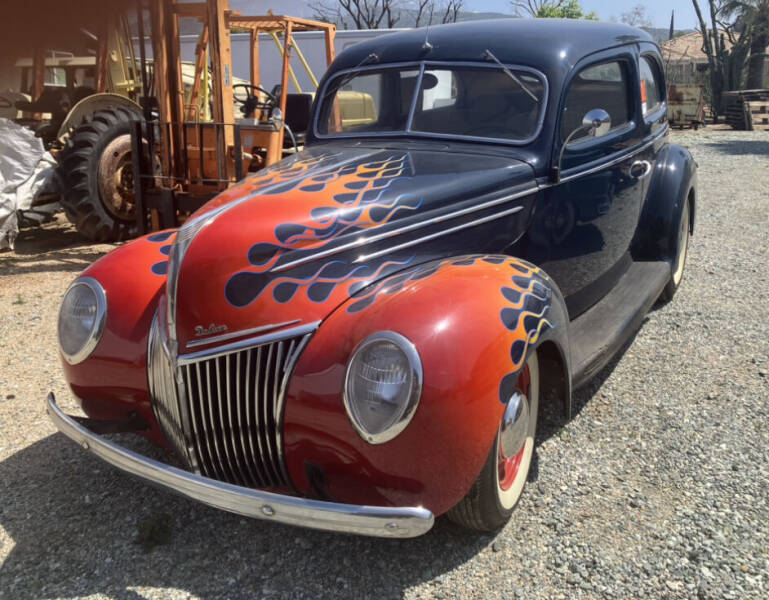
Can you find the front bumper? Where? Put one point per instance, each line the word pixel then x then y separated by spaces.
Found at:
pixel 380 521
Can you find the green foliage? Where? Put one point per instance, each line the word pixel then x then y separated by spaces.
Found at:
pixel 567 10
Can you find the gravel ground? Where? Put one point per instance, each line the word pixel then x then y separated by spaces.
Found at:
pixel 656 488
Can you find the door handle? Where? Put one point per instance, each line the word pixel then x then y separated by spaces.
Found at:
pixel 640 169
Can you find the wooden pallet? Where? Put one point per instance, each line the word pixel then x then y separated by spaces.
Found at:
pixel 747 109
pixel 757 115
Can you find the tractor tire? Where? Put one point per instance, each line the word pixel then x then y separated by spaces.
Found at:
pixel 96 172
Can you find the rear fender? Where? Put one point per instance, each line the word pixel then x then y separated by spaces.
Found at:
pixel 674 179
pixel 473 320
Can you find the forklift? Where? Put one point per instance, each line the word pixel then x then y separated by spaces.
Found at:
pixel 144 153
pixel 180 157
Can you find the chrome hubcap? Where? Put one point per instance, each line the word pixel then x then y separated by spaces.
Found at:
pixel 515 425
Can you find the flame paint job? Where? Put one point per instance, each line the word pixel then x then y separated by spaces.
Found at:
pixel 316 202
pixel 465 365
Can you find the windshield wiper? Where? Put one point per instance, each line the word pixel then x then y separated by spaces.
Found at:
pixel 370 59
pixel 512 75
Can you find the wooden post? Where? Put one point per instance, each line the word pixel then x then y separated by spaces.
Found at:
pixel 336 115
pixel 221 67
pixel 102 56
pixel 200 64
pixel 287 41
pixel 38 73
pixel 254 56
pixel 158 17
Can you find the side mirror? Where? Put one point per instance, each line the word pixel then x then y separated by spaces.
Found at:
pixel 595 123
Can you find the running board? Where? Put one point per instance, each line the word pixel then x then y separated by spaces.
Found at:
pixel 598 333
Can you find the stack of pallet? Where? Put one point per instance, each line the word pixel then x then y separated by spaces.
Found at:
pixel 747 109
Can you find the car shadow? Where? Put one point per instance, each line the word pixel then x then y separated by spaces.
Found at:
pixel 552 420
pixel 80 527
pixel 54 247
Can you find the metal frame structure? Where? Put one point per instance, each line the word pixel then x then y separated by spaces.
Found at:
pixel 181 158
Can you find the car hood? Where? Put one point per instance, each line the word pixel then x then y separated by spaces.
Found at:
pixel 291 243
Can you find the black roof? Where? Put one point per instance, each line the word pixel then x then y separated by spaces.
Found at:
pixel 546 44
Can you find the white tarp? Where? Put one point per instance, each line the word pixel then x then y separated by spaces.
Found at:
pixel 26 170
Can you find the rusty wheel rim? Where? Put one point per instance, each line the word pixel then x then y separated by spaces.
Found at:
pixel 116 179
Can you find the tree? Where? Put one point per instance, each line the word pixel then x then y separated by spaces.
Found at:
pixel 752 17
pixel 376 14
pixel 426 12
pixel 636 17
pixel 363 14
pixel 554 9
pixel 725 66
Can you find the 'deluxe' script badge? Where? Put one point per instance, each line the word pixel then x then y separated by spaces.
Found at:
pixel 200 330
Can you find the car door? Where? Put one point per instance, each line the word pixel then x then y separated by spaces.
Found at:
pixel 587 220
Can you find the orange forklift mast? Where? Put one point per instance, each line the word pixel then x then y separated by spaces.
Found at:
pixel 180 158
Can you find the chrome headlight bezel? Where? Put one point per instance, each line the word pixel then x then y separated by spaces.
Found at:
pixel 100 319
pixel 412 402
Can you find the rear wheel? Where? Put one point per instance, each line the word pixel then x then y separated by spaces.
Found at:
pixel 490 501
pixel 98 177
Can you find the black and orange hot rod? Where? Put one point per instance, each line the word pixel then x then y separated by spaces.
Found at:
pixel 359 337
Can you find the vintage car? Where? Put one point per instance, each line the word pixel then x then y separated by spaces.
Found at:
pixel 360 337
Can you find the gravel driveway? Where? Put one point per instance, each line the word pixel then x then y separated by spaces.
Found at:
pixel 656 488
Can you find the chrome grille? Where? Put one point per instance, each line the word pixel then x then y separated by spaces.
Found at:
pixel 232 401
pixel 163 393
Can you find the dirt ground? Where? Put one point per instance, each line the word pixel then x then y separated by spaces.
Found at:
pixel 656 487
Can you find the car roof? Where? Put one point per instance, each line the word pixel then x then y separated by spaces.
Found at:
pixel 545 44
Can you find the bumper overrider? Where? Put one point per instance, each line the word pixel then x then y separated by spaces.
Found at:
pixel 380 521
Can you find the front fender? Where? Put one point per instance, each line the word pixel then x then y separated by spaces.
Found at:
pixel 112 381
pixel 473 320
pixel 673 180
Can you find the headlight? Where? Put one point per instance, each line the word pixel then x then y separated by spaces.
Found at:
pixel 81 319
pixel 382 386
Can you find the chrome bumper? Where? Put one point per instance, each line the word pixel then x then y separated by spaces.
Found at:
pixel 399 522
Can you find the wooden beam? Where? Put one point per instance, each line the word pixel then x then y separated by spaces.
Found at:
pixel 221 64
pixel 221 67
pixel 38 73
pixel 102 57
pixel 160 68
pixel 200 64
pixel 287 41
pixel 191 9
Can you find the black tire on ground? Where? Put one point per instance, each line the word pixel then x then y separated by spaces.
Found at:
pixel 677 268
pixel 97 187
pixel 488 505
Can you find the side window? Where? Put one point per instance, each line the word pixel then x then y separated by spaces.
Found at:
pixel 599 86
pixel 651 89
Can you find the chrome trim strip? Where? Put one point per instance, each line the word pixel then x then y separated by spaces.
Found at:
pixel 194 357
pixel 294 352
pixel 380 521
pixel 242 332
pixel 424 223
pixel 437 234
pixel 621 158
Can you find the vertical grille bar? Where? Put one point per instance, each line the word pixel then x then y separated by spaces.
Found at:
pixel 226 415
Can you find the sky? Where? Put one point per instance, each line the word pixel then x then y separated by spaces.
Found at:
pixel 658 10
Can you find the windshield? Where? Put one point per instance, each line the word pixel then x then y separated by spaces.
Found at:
pixel 436 100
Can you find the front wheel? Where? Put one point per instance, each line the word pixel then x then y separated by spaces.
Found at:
pixel 490 501
pixel 677 268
